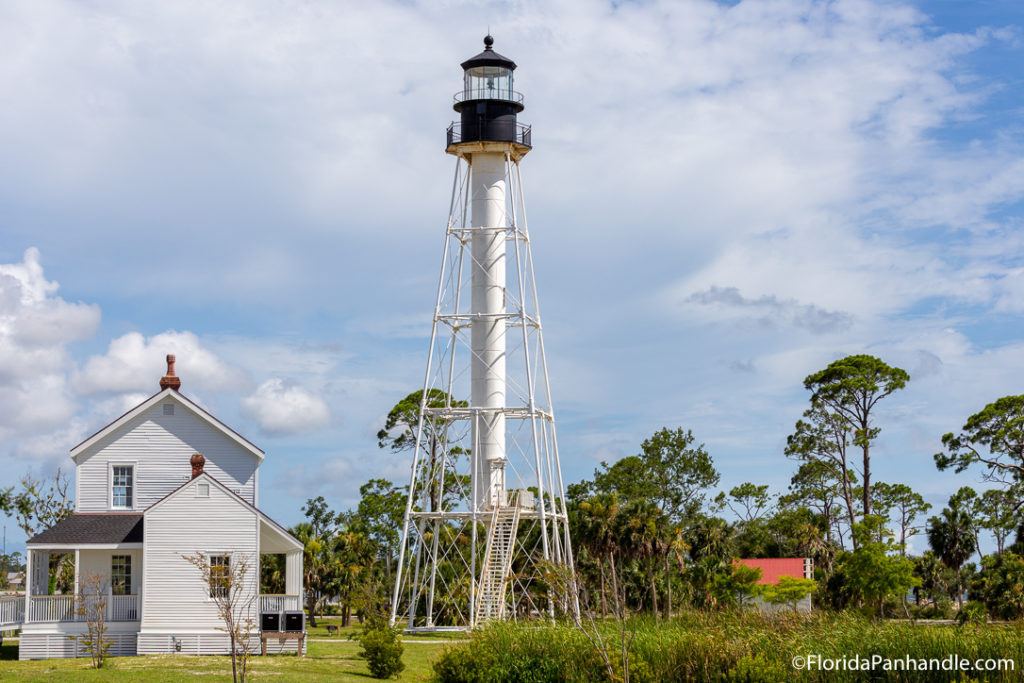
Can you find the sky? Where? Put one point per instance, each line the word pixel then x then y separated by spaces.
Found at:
pixel 723 198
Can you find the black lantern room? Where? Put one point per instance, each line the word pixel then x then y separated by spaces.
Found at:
pixel 488 103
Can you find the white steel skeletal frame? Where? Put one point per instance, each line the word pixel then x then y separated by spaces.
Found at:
pixel 436 560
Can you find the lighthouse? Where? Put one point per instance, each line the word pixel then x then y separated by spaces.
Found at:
pixel 486 507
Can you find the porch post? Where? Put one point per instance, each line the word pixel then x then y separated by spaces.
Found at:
pixel 28 584
pixel 293 574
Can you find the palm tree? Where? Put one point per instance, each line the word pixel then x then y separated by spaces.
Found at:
pixel 597 534
pixel 643 532
pixel 951 536
pixel 312 565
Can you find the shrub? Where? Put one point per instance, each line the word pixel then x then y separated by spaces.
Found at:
pixel 382 649
pixel 973 613
pixel 758 669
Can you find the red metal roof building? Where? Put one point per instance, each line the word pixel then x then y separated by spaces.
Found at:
pixel 773 568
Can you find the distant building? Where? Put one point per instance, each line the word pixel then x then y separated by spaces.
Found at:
pixel 15 581
pixel 774 568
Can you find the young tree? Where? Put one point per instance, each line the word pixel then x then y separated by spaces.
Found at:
pixel 91 607
pixel 737 586
pixel 998 510
pixel 225 578
pixel 873 570
pixel 381 507
pixel 790 590
pixel 899 504
pixel 851 388
pixel 993 438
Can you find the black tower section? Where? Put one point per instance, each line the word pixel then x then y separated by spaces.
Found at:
pixel 488 104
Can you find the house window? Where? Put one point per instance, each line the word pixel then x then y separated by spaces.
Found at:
pixel 122 486
pixel 168 409
pixel 121 575
pixel 202 490
pixel 220 575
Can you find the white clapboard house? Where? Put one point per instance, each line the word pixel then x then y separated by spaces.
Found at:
pixel 163 481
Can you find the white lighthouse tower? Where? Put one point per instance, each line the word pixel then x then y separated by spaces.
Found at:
pixel 486 520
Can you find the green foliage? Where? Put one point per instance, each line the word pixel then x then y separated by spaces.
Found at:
pixel 842 400
pixel 758 669
pixel 899 504
pixel 993 438
pixel 402 423
pixel 382 648
pixel 973 613
pixel 669 472
pixel 736 586
pixel 871 570
pixel 951 534
pixel 790 590
pixel 747 501
pixel 1002 586
pixel 725 647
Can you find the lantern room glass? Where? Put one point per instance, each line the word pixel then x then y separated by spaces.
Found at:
pixel 488 83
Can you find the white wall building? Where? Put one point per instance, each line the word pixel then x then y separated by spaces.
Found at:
pixel 145 499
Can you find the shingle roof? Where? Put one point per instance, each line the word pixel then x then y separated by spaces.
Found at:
pixel 88 528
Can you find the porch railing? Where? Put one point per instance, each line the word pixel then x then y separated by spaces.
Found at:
pixel 12 610
pixel 49 608
pixel 279 603
pixel 123 608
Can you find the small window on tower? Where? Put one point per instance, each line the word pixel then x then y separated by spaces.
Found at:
pixel 168 409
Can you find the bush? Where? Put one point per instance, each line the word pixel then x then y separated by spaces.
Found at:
pixel 382 649
pixel 758 669
pixel 973 613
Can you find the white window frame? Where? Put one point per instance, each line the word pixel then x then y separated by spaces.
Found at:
pixel 110 484
pixel 130 577
pixel 209 564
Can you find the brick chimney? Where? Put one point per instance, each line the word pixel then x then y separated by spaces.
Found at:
pixel 197 461
pixel 170 379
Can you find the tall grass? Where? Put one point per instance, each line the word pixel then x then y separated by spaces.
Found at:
pixel 722 647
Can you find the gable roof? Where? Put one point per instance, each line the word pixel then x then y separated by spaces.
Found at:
pixel 92 528
pixel 152 401
pixel 259 513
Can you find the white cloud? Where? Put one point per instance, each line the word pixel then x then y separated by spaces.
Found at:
pixel 135 363
pixel 283 408
pixel 36 326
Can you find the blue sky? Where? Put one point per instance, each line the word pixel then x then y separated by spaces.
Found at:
pixel 723 198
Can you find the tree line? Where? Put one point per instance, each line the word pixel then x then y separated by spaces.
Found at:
pixel 653 531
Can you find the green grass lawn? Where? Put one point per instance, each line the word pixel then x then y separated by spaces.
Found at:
pixel 326 661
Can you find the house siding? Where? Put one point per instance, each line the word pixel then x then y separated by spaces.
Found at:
pixel 176 600
pixel 159 446
pixel 56 644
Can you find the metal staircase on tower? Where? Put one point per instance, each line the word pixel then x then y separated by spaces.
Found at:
pixel 496 571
